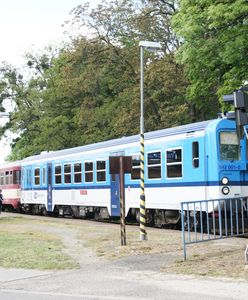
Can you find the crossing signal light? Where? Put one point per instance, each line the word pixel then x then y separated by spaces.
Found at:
pixel 240 101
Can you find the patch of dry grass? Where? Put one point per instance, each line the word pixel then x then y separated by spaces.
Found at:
pixel 107 241
pixel 23 247
pixel 213 259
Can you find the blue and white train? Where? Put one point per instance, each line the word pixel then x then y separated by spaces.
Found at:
pixel 199 161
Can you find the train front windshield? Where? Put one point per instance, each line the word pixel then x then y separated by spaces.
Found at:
pixel 229 146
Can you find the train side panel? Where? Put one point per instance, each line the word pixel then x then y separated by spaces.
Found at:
pixel 10 173
pixel 182 164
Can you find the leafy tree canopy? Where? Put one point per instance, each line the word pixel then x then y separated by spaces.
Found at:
pixel 214 46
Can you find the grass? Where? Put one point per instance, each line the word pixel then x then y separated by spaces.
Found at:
pixel 32 251
pixel 20 248
pixel 107 242
pixel 212 260
pixel 46 243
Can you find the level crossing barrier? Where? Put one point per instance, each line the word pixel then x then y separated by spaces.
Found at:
pixel 213 219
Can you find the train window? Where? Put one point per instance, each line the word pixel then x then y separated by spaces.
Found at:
pixel 88 169
pixel 67 173
pixel 195 154
pixel 7 177
pixel 174 163
pixel 58 174
pixel 1 178
pixel 229 146
pixel 16 177
pixel 77 172
pixel 37 176
pixel 154 165
pixel 10 177
pixel 135 167
pixel 101 170
pixel 44 175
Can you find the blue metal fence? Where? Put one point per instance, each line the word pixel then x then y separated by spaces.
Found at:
pixel 213 219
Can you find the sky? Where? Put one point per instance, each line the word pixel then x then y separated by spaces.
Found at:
pixel 30 25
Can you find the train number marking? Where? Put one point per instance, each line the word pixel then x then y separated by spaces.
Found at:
pixel 229 167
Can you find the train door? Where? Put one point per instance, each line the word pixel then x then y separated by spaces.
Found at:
pixel 115 190
pixel 28 184
pixel 49 188
pixel 115 195
pixel 211 165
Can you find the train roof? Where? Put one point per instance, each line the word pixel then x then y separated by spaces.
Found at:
pixel 121 141
pixel 10 164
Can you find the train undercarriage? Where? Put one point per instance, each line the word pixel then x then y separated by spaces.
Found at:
pixel 154 217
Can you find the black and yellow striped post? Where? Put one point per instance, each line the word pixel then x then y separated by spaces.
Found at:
pixel 143 234
pixel 150 46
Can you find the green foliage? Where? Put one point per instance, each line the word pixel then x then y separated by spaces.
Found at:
pixel 214 47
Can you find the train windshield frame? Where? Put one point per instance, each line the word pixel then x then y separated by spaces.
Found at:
pixel 229 146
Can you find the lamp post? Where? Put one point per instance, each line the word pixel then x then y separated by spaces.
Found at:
pixel 150 46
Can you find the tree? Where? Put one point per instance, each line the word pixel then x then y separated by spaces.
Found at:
pixel 24 100
pixel 126 22
pixel 214 48
pixel 120 25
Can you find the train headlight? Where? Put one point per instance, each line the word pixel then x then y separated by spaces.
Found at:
pixel 224 181
pixel 225 190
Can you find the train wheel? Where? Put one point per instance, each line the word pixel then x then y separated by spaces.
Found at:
pixel 56 211
pixel 44 211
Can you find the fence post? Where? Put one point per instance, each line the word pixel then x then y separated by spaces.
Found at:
pixel 183 233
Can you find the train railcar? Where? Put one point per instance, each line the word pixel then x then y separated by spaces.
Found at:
pixel 10 183
pixel 199 161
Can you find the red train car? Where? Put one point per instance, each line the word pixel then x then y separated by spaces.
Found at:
pixel 10 184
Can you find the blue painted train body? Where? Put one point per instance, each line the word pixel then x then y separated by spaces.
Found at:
pixel 198 161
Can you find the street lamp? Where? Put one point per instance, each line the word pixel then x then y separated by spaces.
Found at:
pixel 150 46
